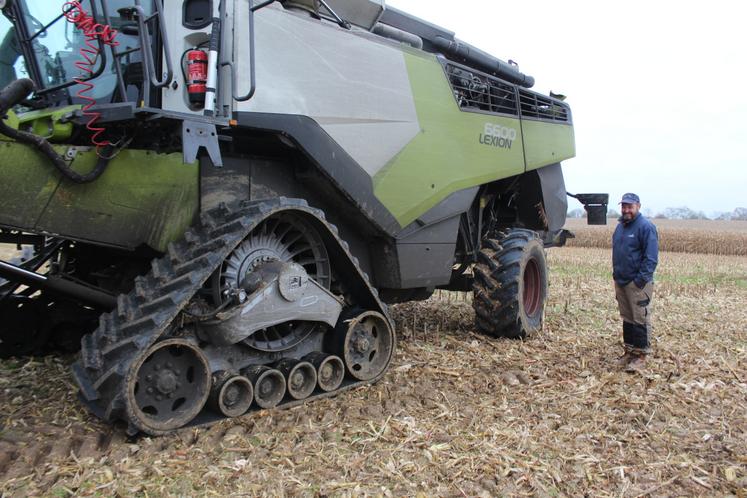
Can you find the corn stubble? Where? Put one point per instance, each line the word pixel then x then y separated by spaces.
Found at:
pixel 458 414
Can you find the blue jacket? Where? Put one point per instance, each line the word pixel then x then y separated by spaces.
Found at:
pixel 635 251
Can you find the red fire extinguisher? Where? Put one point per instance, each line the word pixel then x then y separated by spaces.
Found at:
pixel 197 62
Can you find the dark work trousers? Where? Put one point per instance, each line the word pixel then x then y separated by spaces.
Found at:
pixel 635 310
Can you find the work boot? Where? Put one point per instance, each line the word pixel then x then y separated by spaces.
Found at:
pixel 637 363
pixel 622 361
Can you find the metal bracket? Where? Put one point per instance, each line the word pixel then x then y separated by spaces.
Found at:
pixel 289 296
pixel 73 150
pixel 196 135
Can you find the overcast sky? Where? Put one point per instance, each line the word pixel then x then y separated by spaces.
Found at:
pixel 658 89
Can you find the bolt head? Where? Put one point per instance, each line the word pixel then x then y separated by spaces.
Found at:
pixel 297 379
pixel 361 344
pixel 326 372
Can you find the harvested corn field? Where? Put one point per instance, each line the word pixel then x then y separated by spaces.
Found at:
pixel 691 236
pixel 458 414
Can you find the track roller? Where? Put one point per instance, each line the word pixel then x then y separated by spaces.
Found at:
pixel 231 395
pixel 300 377
pixel 269 385
pixel 168 386
pixel 330 370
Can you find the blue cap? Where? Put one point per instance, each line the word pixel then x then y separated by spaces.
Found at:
pixel 630 198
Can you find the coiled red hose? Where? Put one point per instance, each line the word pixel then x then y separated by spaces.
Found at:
pixel 94 33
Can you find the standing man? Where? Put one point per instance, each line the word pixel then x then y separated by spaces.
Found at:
pixel 635 253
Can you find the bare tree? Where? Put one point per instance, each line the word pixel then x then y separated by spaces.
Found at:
pixel 576 213
pixel 739 213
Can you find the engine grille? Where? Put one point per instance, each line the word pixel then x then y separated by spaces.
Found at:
pixel 475 91
pixel 534 105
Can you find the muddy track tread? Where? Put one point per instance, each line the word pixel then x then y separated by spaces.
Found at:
pixel 143 315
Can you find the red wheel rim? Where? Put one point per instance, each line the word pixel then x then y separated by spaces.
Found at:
pixel 532 288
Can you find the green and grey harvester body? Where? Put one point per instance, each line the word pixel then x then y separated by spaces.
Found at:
pixel 222 230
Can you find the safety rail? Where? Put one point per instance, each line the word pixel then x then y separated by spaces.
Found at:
pixel 137 13
pixel 252 74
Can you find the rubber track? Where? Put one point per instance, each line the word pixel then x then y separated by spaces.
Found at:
pixel 144 315
pixel 496 283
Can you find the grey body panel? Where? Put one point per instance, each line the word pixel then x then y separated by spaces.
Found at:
pixel 361 96
pixel 454 205
pixel 553 195
pixel 334 161
pixel 424 250
pixel 428 264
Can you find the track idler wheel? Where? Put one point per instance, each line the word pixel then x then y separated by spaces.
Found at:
pixel 367 344
pixel 167 386
pixel 269 385
pixel 300 377
pixel 330 370
pixel 231 395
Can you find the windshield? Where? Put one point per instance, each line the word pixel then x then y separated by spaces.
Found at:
pixel 55 45
pixel 12 65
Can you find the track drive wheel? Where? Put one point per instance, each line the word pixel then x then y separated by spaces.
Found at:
pixel 510 284
pixel 168 386
pixel 366 344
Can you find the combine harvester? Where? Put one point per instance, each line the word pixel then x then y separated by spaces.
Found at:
pixel 221 196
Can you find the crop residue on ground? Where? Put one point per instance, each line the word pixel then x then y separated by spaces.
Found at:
pixel 458 414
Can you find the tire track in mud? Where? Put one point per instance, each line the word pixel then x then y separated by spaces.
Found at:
pixel 48 455
pixel 35 450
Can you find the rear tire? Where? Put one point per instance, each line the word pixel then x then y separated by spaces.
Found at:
pixel 510 284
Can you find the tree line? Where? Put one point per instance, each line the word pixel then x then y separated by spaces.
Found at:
pixel 673 213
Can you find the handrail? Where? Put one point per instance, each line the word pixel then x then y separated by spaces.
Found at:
pixel 145 44
pixel 115 55
pixel 252 73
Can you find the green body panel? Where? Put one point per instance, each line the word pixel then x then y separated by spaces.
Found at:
pixel 47 123
pixel 12 121
pixel 547 143
pixel 142 197
pixel 27 181
pixel 447 155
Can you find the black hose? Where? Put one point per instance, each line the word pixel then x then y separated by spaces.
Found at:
pixel 15 92
pixel 12 94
